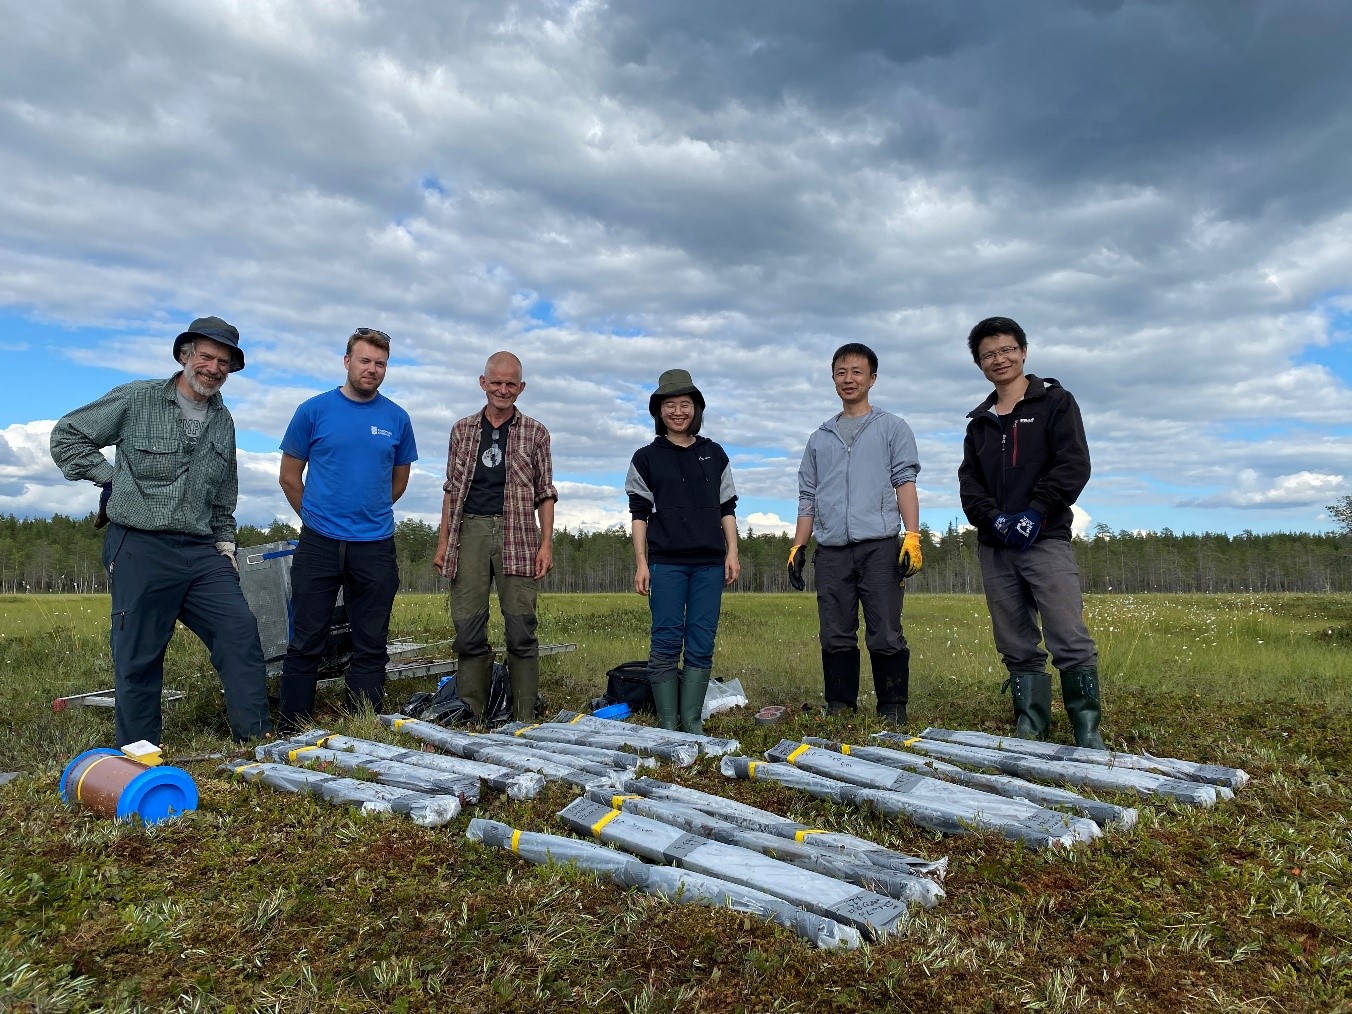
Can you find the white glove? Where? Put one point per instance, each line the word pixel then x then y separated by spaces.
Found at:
pixel 227 550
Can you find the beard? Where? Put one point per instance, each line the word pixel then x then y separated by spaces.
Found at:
pixel 203 386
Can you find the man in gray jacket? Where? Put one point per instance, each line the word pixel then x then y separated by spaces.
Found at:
pixel 856 495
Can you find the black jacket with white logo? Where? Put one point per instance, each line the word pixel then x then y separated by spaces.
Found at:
pixel 683 493
pixel 1034 457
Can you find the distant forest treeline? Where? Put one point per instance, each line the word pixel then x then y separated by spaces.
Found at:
pixel 62 554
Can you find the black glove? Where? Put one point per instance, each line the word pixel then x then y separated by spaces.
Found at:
pixel 797 560
pixel 1022 530
pixel 102 519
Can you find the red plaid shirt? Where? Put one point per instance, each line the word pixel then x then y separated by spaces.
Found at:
pixel 529 481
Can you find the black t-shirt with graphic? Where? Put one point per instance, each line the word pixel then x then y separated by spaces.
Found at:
pixel 490 470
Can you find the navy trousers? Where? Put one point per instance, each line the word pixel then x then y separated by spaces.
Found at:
pixel 368 574
pixel 156 579
pixel 685 602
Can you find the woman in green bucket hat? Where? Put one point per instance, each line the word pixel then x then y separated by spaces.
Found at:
pixel 683 504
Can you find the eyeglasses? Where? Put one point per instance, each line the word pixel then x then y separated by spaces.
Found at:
pixel 993 354
pixel 370 332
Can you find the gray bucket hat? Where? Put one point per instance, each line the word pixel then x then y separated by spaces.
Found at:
pixel 671 384
pixel 218 331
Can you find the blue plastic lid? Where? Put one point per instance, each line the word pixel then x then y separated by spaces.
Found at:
pixel 157 794
pixel 618 712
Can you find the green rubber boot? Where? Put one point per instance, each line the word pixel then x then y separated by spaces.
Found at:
pixel 694 685
pixel 524 674
pixel 1031 691
pixel 1080 692
pixel 473 676
pixel 666 689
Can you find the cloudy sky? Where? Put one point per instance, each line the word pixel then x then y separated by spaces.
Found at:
pixel 1157 191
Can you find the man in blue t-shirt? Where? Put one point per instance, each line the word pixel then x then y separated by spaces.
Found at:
pixel 345 461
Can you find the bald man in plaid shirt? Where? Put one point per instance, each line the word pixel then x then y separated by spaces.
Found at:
pixel 499 482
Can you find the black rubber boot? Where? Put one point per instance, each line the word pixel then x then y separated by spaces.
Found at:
pixel 1080 692
pixel 1031 691
pixel 840 671
pixel 892 683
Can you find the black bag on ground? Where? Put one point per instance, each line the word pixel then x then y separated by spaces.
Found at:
pixel 444 707
pixel 628 684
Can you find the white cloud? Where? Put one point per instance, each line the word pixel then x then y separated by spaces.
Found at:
pixel 614 190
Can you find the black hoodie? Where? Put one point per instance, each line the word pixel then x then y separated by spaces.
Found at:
pixel 1034 457
pixel 683 493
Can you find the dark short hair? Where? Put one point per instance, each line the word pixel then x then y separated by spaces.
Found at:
pixel 856 349
pixel 660 428
pixel 989 328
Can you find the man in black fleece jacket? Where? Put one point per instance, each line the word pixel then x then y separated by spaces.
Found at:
pixel 1024 462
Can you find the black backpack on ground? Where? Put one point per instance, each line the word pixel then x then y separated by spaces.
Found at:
pixel 628 684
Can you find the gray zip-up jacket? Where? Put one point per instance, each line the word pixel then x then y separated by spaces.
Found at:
pixel 851 492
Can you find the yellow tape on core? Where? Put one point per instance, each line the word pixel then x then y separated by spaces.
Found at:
pixel 400 722
pixel 596 828
pixel 802 749
pixel 845 748
pixel 85 773
pixel 526 729
pixel 576 718
pixel 291 755
pixel 912 740
pixel 615 801
pixel 324 740
pixel 516 840
pixel 800 835
pixel 751 769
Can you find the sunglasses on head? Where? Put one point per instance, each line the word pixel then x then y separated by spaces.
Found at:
pixel 370 332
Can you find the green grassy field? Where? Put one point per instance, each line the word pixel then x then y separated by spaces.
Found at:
pixel 261 901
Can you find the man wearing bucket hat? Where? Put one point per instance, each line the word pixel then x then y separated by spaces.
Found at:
pixel 499 479
pixel 683 504
pixel 170 546
pixel 856 494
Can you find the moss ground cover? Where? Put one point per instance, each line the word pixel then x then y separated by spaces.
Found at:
pixel 261 901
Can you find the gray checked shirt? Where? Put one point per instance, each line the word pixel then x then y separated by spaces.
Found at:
pixel 162 481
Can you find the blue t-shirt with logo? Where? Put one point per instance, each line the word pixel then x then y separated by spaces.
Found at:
pixel 351 448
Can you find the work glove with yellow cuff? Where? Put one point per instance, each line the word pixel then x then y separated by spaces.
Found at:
pixel 910 559
pixel 797 560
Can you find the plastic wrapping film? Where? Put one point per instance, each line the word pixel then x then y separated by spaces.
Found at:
pixel 622 760
pixel 1170 767
pixel 682 754
pixel 710 746
pixel 722 696
pixel 1043 829
pixel 756 819
pixel 1092 776
pixel 972 805
pixel 516 784
pixel 874 915
pixel 1053 798
pixel 902 886
pixel 422 809
pixel 674 884
pixel 385 772
pixel 463 744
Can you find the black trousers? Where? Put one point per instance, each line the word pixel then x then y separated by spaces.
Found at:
pixel 368 574
pixel 156 579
